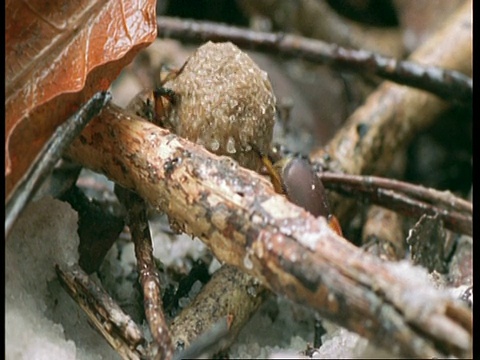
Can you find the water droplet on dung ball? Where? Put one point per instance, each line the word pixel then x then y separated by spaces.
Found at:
pixel 214 145
pixel 225 101
pixel 231 146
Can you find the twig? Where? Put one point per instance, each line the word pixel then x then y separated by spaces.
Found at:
pixel 117 328
pixel 207 342
pixel 230 293
pixel 149 280
pixel 46 159
pixel 406 198
pixel 237 213
pixel 448 84
pixel 391 115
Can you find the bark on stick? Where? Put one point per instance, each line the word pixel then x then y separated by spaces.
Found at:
pixel 239 216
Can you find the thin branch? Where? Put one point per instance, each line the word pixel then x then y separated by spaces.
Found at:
pixel 237 213
pixel 116 327
pixel 149 280
pixel 408 199
pixel 448 84
pixel 49 155
pixel 443 199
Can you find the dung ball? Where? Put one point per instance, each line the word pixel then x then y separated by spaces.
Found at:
pixel 225 102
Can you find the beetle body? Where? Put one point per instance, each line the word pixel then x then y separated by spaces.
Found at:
pixel 302 186
pixel 294 177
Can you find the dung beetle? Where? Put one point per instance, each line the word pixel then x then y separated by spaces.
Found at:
pixel 294 177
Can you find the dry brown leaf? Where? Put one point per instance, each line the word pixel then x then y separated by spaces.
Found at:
pixel 58 54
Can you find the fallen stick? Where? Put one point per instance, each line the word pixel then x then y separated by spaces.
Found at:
pixel 118 328
pixel 239 216
pixel 147 272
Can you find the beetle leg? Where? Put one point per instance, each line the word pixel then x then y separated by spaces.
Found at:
pixel 274 175
pixel 334 224
pixel 170 74
pixel 164 98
